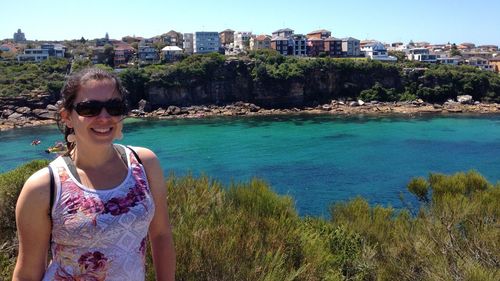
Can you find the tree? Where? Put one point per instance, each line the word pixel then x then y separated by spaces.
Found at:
pixel 109 54
pixel 82 40
pixel 454 50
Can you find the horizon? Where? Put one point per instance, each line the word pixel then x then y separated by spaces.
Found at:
pixel 448 21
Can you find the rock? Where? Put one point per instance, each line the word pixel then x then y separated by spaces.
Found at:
pixel 254 108
pixel 465 99
pixel 361 103
pixel 7 112
pixel 144 105
pixel 51 107
pixel 437 106
pixel 353 103
pixel 23 110
pixel 137 112
pixel 477 102
pixel 326 107
pixel 173 110
pixel 15 115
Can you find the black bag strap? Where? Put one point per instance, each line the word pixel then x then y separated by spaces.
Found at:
pixel 122 152
pixel 135 154
pixel 52 191
pixel 71 166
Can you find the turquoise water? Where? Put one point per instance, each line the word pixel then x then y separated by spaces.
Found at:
pixel 315 159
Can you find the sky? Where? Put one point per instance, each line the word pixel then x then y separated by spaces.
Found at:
pixel 433 21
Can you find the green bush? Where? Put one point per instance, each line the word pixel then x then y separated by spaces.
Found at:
pixel 245 231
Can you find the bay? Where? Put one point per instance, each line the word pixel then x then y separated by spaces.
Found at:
pixel 316 159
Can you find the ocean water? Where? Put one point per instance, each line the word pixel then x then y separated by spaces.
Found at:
pixel 317 160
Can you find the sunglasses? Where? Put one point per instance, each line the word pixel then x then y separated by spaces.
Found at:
pixel 91 108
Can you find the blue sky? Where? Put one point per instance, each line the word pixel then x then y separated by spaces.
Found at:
pixel 434 21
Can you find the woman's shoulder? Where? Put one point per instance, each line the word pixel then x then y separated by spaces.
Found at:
pixel 146 154
pixel 36 189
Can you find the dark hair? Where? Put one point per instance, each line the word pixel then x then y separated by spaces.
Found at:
pixel 70 91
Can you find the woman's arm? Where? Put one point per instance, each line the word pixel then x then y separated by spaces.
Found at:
pixel 160 232
pixel 33 227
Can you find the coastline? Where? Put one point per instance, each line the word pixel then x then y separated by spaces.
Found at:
pixel 248 109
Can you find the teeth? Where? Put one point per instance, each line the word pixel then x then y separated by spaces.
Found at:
pixel 102 130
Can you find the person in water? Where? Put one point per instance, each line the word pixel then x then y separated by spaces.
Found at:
pixel 99 204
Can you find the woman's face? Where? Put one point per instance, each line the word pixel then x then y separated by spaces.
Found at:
pixel 94 130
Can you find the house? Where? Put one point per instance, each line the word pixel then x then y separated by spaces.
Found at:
pixel 44 52
pixel 187 45
pixel 9 47
pixel 480 54
pixel 123 53
pixel 466 46
pixel 333 47
pixel 205 42
pixel 172 38
pixel 411 54
pixel 98 55
pixel 171 53
pixel 455 60
pixel 488 48
pixel 351 47
pixel 315 46
pixel 147 54
pixel 242 40
pixel 102 41
pixel 226 37
pixel 319 34
pixel 260 42
pixel 55 50
pixel 377 51
pixel 36 55
pixel 285 32
pixel 495 64
pixel 130 39
pixel 280 44
pixel 299 44
pixel 480 63
pixel 19 37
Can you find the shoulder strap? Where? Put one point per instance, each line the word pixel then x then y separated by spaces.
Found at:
pixel 71 167
pixel 135 154
pixel 121 150
pixel 52 191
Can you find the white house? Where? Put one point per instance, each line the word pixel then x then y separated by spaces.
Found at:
pixel 188 43
pixel 206 42
pixel 242 39
pixel 171 53
pixel 377 51
pixel 35 55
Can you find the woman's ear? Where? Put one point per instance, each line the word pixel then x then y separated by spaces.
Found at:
pixel 66 118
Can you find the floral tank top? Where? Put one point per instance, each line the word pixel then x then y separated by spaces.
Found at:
pixel 100 234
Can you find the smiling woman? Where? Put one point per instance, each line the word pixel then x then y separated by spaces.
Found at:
pixel 96 205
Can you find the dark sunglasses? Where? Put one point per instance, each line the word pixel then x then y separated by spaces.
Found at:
pixel 91 108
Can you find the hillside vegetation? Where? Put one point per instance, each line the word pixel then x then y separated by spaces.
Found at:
pixel 246 231
pixel 264 75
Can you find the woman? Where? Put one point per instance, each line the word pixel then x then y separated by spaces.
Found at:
pixel 107 198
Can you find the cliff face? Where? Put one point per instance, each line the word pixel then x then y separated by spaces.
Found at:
pixel 234 82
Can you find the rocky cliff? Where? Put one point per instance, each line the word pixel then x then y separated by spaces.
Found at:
pixel 234 81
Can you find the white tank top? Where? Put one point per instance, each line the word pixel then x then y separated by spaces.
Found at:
pixel 100 234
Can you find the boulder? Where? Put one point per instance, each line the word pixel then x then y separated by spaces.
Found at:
pixel 361 103
pixel 144 105
pixel 51 107
pixel 7 112
pixel 15 115
pixel 173 110
pixel 353 103
pixel 23 110
pixel 465 99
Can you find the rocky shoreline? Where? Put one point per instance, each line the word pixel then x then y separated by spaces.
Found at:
pixel 25 116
